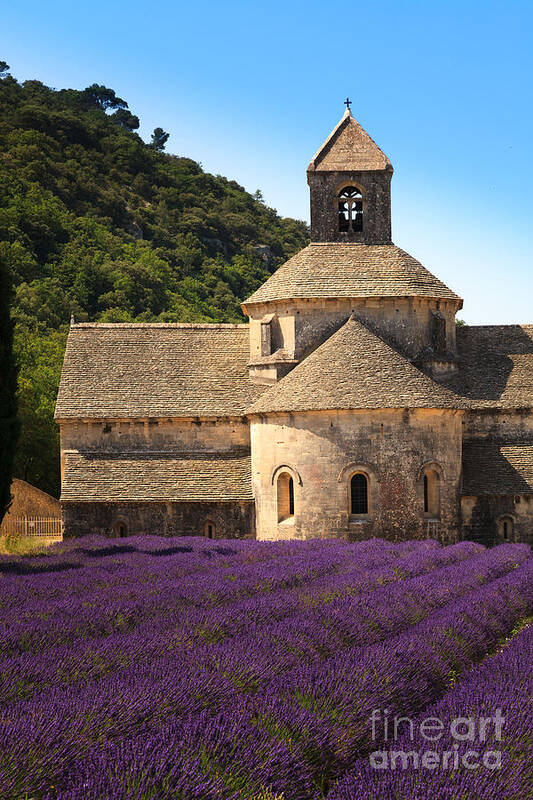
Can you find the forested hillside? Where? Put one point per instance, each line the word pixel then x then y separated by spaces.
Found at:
pixel 96 223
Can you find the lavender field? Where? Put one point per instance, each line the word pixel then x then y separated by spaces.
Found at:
pixel 153 668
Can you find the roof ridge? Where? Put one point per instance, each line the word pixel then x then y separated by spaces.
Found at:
pixel 354 318
pixel 347 115
pixel 173 325
pixel 36 489
pixel 95 454
pixel 352 244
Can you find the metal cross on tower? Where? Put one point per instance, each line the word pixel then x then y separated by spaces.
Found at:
pixel 348 103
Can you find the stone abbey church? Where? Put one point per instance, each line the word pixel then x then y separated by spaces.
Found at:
pixel 350 405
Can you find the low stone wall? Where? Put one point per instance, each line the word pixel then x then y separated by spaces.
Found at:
pixel 228 520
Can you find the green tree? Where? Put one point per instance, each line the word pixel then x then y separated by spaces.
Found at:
pixel 103 98
pixel 159 139
pixel 4 67
pixel 9 426
pixel 126 119
pixel 40 357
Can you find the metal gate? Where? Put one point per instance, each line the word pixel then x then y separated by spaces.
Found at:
pixel 38 527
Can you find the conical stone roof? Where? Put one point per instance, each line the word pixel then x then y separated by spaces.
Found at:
pixel 336 269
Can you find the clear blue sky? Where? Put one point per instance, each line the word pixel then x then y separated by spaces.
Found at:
pixel 250 90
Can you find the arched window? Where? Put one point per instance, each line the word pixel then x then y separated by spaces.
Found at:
pixel 431 494
pixel 285 487
pixel 350 210
pixel 121 529
pixel 209 529
pixel 506 528
pixel 359 494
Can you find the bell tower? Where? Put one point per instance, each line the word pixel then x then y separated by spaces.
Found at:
pixel 350 267
pixel 349 180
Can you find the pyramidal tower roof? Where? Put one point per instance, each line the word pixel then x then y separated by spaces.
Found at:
pixel 349 148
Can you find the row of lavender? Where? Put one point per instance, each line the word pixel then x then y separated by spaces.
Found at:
pixel 220 670
pixel 308 621
pixel 475 742
pixel 50 611
pixel 312 725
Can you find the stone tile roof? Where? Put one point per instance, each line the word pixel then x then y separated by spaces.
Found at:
pixel 157 477
pixel 155 370
pixel 354 368
pixel 333 269
pixel 349 148
pixel 496 366
pixel 497 467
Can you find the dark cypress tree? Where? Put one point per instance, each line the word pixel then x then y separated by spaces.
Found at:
pixel 9 426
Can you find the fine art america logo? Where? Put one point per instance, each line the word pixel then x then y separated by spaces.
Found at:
pixel 462 742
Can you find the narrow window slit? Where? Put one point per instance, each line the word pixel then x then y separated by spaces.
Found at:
pixel 359 494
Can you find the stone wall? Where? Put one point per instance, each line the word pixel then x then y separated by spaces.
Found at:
pixel 481 515
pixel 321 450
pixel 375 188
pixel 300 326
pixel 511 425
pixel 230 520
pixel 155 434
